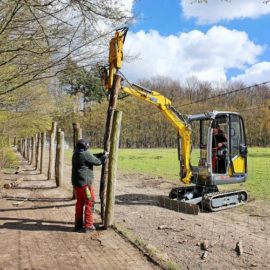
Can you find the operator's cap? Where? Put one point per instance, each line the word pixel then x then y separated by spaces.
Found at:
pixel 82 143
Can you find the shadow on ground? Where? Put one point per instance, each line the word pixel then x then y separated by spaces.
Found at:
pixel 36 225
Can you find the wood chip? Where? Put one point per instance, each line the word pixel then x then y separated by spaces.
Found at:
pixel 204 245
pixel 239 248
pixel 164 227
pixel 204 255
pixel 19 203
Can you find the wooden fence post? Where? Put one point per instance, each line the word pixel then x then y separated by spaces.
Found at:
pixel 77 134
pixel 19 145
pixel 112 172
pixel 37 149
pixel 28 149
pixel 52 150
pixel 59 161
pixel 42 151
pixel 25 148
pixel 107 135
pixel 33 150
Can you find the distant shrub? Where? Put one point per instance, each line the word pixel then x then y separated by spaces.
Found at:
pixel 8 158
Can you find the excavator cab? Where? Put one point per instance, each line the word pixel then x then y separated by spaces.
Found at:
pixel 222 149
pixel 221 159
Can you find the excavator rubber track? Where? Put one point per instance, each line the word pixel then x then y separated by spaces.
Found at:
pixel 218 201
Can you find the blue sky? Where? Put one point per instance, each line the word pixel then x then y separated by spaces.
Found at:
pixel 219 41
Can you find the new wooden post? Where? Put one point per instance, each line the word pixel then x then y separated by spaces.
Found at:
pixel 107 135
pixel 52 150
pixel 37 150
pixel 59 161
pixel 112 172
pixel 42 151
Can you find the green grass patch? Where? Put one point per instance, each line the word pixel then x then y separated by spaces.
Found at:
pixel 8 158
pixel 158 162
pixel 164 163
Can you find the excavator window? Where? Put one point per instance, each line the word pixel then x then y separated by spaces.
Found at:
pixel 237 136
pixel 220 145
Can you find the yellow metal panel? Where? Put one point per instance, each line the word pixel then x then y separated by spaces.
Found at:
pixel 238 165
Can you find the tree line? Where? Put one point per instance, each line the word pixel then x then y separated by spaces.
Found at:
pixel 37 39
pixel 144 126
pixel 49 53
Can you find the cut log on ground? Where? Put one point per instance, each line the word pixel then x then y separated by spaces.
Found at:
pixel 14 183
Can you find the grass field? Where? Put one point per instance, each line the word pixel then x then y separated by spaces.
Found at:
pixel 163 162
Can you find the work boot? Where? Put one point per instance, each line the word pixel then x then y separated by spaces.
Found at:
pixel 90 229
pixel 78 225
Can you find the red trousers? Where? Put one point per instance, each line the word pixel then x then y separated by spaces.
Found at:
pixel 83 203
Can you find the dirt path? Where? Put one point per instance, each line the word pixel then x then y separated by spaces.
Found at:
pixel 36 231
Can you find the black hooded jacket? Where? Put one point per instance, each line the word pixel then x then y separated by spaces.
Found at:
pixel 82 166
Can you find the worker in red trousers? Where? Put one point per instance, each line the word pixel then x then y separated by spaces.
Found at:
pixel 82 179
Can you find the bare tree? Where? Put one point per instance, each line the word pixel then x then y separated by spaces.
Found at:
pixel 37 36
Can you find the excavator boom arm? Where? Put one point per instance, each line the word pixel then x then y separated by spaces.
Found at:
pixel 162 103
pixel 177 120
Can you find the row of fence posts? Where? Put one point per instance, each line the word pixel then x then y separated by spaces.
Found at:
pixel 33 150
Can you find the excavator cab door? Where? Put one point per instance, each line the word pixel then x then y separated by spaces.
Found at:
pixel 237 146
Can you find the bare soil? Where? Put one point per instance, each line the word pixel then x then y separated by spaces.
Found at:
pixel 183 238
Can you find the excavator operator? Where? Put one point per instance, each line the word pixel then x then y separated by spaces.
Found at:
pixel 219 149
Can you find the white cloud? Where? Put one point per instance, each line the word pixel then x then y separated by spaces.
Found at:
pixel 204 55
pixel 257 73
pixel 217 10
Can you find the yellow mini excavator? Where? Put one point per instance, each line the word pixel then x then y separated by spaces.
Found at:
pixel 222 143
